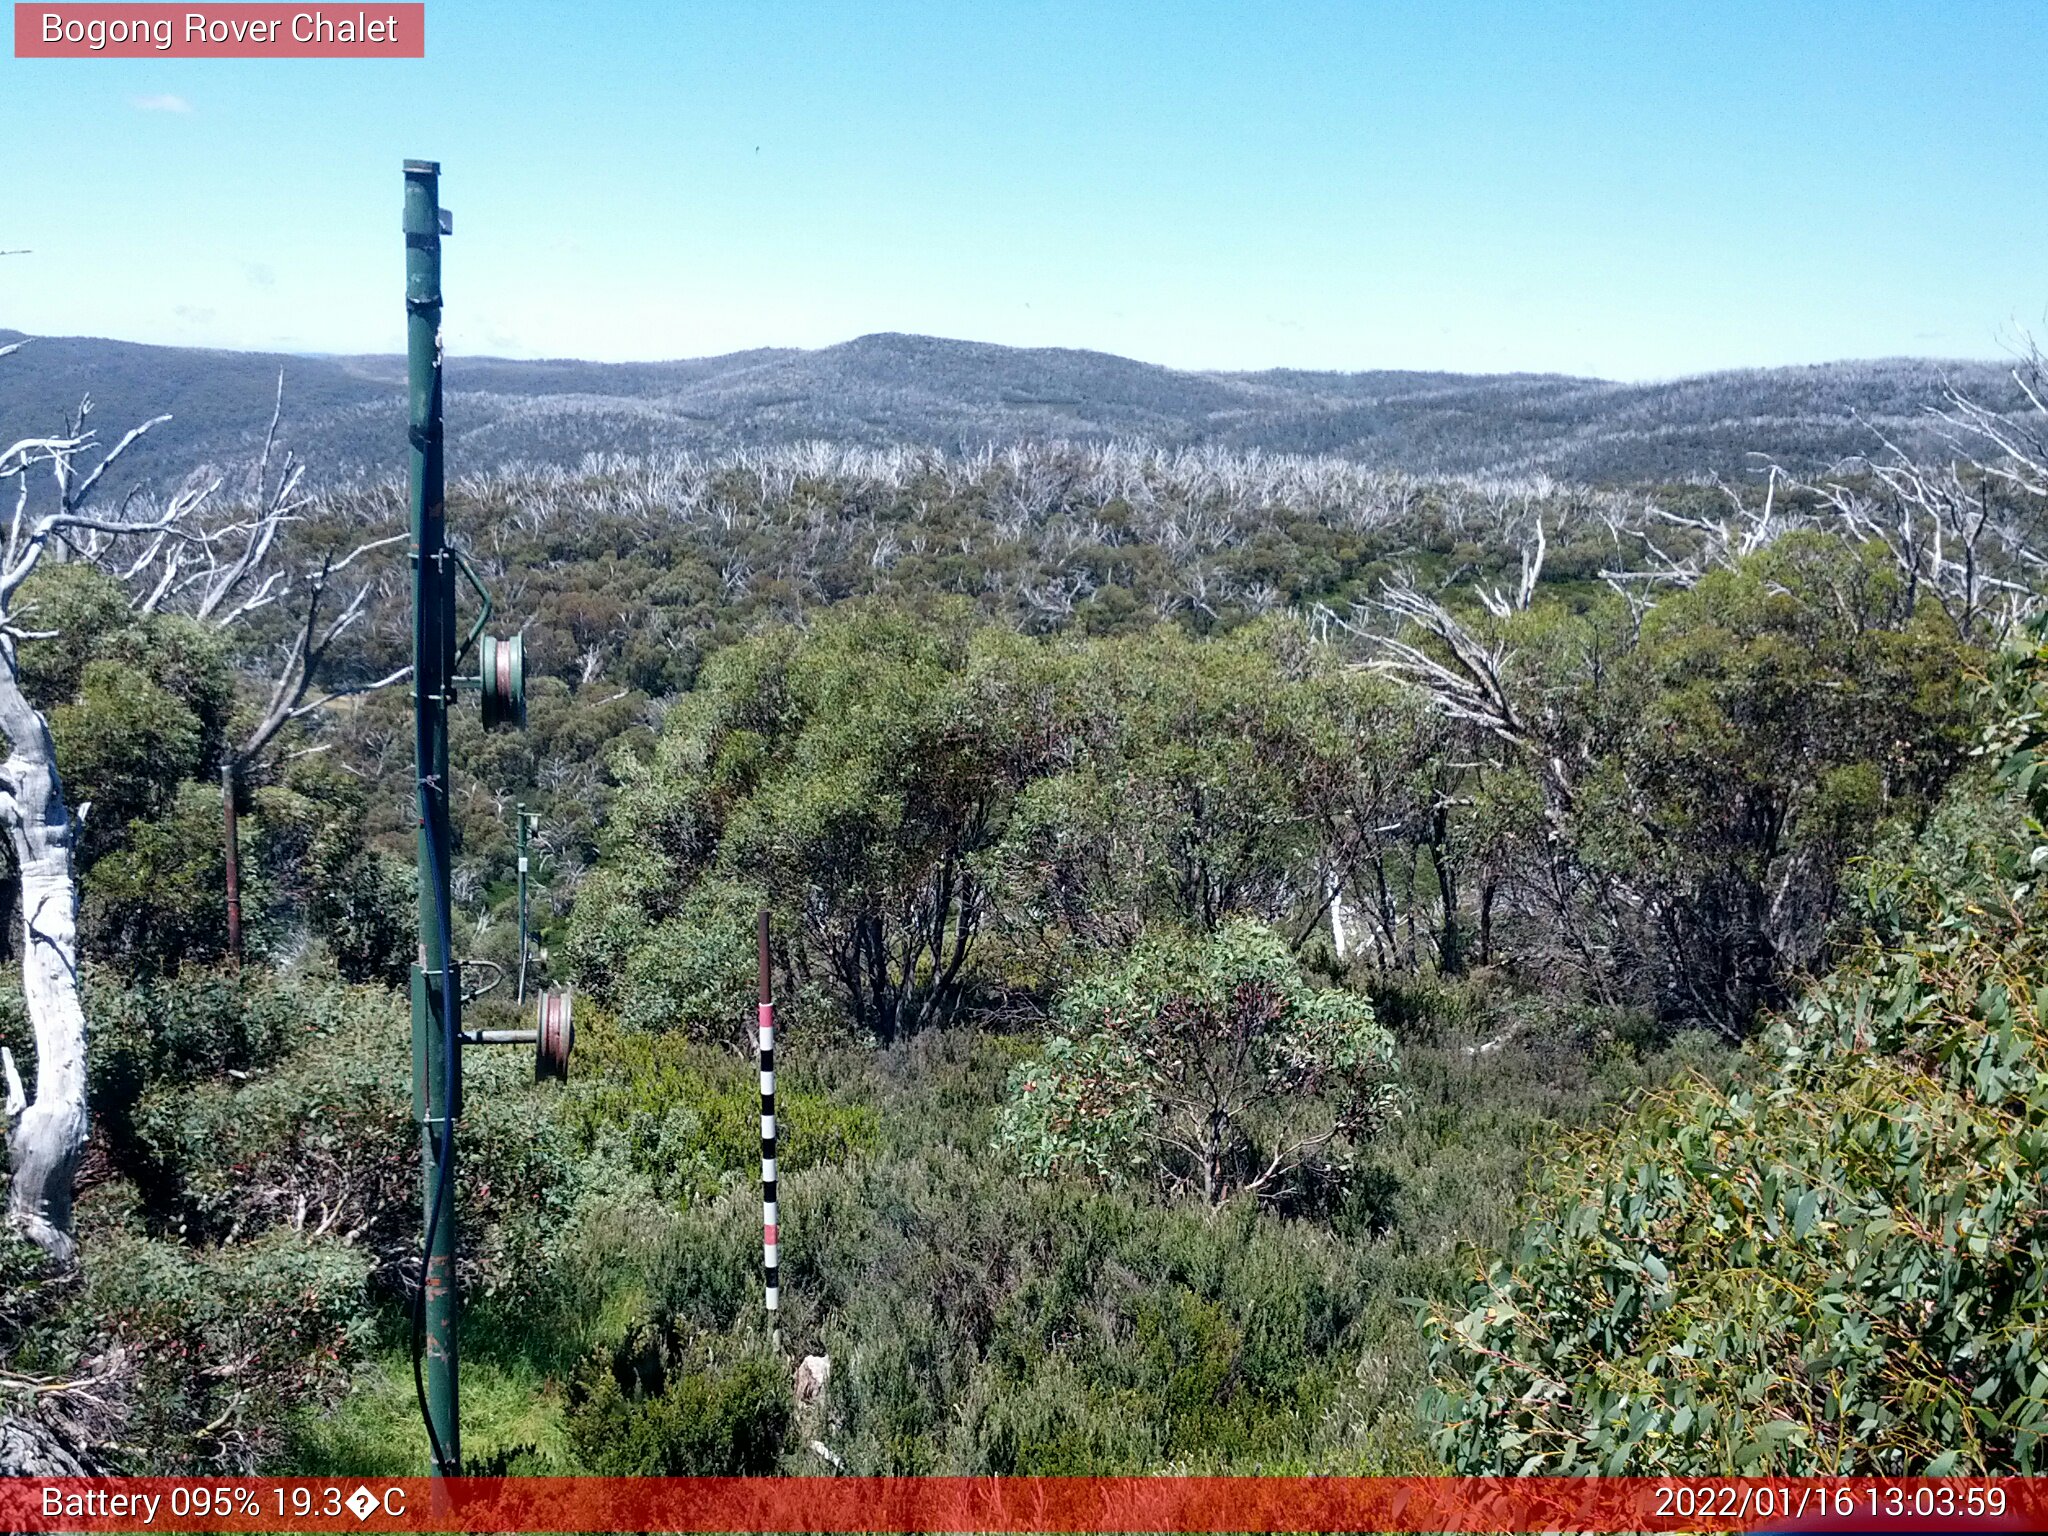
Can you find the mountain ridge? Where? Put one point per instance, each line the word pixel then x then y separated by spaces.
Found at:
pixel 343 412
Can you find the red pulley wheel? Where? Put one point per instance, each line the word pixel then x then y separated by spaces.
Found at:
pixel 555 1035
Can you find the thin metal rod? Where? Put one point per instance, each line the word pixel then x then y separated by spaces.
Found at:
pixel 770 1235
pixel 519 994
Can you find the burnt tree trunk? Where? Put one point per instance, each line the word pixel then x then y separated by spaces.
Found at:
pixel 232 842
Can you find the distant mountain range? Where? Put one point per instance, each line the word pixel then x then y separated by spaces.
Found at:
pixel 345 414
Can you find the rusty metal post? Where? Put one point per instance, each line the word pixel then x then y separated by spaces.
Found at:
pixel 234 853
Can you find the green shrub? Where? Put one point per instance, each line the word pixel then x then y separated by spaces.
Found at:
pixel 689 1116
pixel 664 1404
pixel 32 1291
pixel 1056 1423
pixel 978 1324
pixel 1208 1064
pixel 322 1140
pixel 1425 1008
pixel 696 972
pixel 158 902
pixel 605 928
pixel 365 916
pixel 227 1342
pixel 202 1024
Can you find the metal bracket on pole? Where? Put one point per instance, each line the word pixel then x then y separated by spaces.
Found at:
pixel 552 1037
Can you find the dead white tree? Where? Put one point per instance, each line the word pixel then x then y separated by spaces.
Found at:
pixel 1713 543
pixel 47 1132
pixel 1467 675
pixel 238 566
pixel 1497 602
pixel 1467 682
pixel 218 564
pixel 242 562
pixel 1968 531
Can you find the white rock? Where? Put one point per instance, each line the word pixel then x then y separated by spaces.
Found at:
pixel 811 1377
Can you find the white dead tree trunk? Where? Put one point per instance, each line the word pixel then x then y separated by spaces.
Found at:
pixel 1497 602
pixel 45 1134
pixel 47 1131
pixel 1969 533
pixel 236 570
pixel 1333 892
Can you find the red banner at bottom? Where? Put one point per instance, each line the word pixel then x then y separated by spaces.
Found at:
pixel 1026 1504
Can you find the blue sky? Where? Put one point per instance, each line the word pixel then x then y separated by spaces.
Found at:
pixel 1629 190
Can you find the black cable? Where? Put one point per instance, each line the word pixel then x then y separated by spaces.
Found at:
pixel 445 1142
pixel 435 826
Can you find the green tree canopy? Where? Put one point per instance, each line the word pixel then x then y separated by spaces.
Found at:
pixel 854 774
pixel 1204 1063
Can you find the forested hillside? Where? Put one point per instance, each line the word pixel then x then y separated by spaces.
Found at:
pixel 1836 1267
pixel 1223 905
pixel 888 391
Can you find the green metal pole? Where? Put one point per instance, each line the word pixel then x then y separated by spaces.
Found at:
pixel 437 1060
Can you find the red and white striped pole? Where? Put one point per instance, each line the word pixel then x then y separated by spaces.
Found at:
pixel 768 1223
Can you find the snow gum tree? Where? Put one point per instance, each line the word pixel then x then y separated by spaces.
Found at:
pixel 47 1131
pixel 198 558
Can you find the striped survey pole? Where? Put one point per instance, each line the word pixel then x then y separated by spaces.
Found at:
pixel 768 1223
